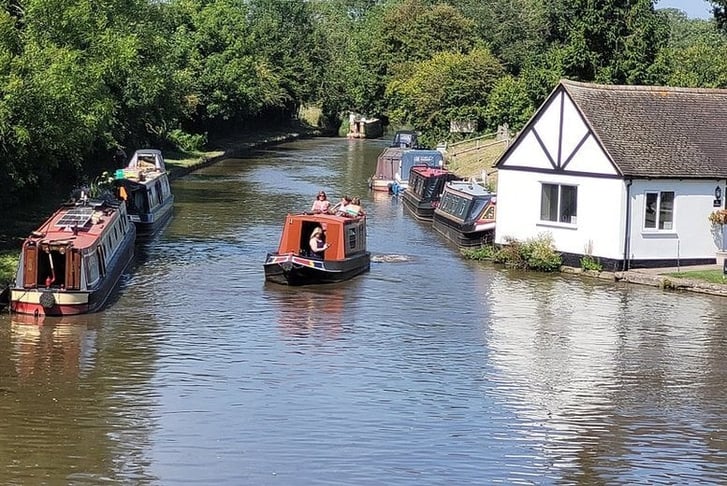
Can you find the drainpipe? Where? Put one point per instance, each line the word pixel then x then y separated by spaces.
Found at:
pixel 627 235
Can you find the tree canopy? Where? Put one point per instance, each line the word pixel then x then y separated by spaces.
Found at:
pixel 79 78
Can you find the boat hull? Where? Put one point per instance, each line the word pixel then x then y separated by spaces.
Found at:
pixel 297 270
pixel 149 224
pixel 421 209
pixel 381 185
pixel 464 235
pixel 57 302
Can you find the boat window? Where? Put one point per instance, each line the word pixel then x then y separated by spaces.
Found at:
pixel 479 205
pixel 92 269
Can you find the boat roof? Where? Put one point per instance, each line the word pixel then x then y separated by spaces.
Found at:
pixel 80 223
pixel 147 159
pixel 429 171
pixel 467 187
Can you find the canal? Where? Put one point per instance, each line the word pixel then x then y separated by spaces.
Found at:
pixel 427 370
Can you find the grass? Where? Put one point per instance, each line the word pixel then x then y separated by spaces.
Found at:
pixel 472 159
pixel 711 276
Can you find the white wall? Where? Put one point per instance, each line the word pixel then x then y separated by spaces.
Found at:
pixel 601 212
pixel 691 236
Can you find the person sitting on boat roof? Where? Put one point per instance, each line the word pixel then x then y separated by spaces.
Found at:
pixel 354 209
pixel 317 244
pixel 321 204
pixel 340 208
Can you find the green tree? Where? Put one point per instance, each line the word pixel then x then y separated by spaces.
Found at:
pixel 611 41
pixel 449 86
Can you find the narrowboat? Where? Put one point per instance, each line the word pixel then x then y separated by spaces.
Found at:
pixel 466 214
pixel 344 257
pixel 144 185
pixel 412 158
pixel 388 163
pixel 74 260
pixel 426 185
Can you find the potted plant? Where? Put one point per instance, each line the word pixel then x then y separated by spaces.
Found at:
pixel 718 218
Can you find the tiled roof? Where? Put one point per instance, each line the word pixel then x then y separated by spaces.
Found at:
pixel 655 131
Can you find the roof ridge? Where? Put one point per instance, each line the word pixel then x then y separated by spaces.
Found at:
pixel 643 88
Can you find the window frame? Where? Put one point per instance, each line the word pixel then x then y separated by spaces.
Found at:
pixel 559 205
pixel 658 212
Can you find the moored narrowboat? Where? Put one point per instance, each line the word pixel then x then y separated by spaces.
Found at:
pixel 412 158
pixel 426 185
pixel 74 260
pixel 466 214
pixel 344 254
pixel 144 185
pixel 388 163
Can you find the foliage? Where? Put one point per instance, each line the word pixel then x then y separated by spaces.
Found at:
pixel 447 87
pixel 8 265
pixel 536 253
pixel 718 217
pixel 187 142
pixel 611 41
pixel 484 252
pixel 590 263
pixel 508 103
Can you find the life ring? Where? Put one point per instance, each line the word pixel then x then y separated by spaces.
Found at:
pixel 47 300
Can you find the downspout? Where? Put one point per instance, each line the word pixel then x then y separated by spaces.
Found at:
pixel 627 234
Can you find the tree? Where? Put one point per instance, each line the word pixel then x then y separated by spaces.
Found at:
pixel 611 41
pixel 449 86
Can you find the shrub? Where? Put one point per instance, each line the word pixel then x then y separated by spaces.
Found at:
pixel 511 254
pixel 485 252
pixel 540 254
pixel 186 141
pixel 590 263
pixel 535 253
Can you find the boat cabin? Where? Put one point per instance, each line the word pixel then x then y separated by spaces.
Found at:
pixel 347 236
pixel 426 185
pixel 413 158
pixel 405 139
pixel 466 214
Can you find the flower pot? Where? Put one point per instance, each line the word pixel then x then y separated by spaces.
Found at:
pixel 721 256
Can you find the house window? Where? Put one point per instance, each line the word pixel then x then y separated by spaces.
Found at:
pixel 559 203
pixel 659 210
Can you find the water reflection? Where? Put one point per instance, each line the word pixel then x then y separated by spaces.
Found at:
pixel 609 376
pixel 52 348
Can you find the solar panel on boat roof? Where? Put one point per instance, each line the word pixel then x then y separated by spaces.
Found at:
pixel 76 217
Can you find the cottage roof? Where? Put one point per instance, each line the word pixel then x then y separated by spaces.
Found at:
pixel 656 131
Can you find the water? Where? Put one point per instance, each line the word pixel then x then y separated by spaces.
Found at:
pixel 430 369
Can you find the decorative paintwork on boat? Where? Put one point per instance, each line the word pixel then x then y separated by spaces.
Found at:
pixel 412 158
pixel 293 264
pixel 74 260
pixel 426 185
pixel 144 185
pixel 388 163
pixel 466 214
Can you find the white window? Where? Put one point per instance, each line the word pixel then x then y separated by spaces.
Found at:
pixel 559 203
pixel 659 210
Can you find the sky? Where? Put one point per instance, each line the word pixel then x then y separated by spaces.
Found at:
pixel 695 9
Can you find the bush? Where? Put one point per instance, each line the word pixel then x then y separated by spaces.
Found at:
pixel 539 253
pixel 535 254
pixel 511 254
pixel 590 263
pixel 485 252
pixel 186 141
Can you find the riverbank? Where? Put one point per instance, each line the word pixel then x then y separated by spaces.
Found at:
pixel 659 277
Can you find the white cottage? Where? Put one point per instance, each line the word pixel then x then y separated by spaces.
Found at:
pixel 627 174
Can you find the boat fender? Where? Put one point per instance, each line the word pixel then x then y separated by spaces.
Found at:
pixel 47 300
